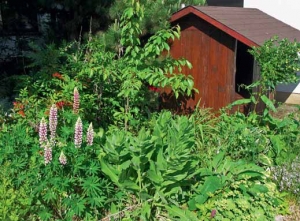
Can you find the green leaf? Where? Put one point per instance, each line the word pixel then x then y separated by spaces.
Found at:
pixel 217 159
pixel 110 171
pixel 127 184
pixel 78 206
pixel 161 162
pixel 145 211
pixel 153 175
pixel 265 160
pixel 211 184
pixel 183 215
pixel 268 102
pixel 241 102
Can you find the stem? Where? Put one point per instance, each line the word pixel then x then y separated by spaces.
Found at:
pixel 99 97
pixel 126 113
pixel 140 184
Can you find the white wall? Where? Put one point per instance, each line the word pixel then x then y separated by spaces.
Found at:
pixel 287 11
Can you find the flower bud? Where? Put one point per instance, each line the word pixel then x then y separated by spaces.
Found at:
pixel 62 158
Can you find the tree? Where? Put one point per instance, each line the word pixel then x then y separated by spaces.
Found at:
pixel 156 17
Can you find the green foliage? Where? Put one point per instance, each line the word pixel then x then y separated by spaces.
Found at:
pixel 157 12
pixel 114 83
pixel 278 60
pixel 157 165
pixel 234 190
pixel 53 191
pixel 143 164
pixel 14 200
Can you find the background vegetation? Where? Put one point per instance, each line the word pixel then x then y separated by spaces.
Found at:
pixel 86 139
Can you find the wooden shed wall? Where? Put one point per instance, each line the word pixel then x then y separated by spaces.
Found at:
pixel 212 54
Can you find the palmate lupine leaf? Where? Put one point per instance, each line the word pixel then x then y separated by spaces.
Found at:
pixel 49 196
pixel 97 201
pixel 76 205
pixel 91 186
pixel 93 169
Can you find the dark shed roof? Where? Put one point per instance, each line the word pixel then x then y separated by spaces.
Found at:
pixel 248 25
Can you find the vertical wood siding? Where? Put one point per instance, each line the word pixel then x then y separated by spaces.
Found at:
pixel 211 53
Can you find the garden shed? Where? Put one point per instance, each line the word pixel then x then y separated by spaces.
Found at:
pixel 216 41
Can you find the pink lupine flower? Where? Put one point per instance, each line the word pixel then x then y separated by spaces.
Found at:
pixel 43 132
pixel 78 133
pixel 53 122
pixel 62 158
pixel 90 135
pixel 47 153
pixel 213 213
pixel 76 101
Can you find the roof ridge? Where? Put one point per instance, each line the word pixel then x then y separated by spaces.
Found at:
pixel 229 20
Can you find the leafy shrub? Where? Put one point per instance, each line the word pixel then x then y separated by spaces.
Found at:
pixel 140 164
pixel 15 202
pixel 115 84
pixel 287 177
pixel 234 190
pixel 65 181
pixel 156 167
pixel 279 62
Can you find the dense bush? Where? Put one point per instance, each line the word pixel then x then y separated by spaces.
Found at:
pixel 85 141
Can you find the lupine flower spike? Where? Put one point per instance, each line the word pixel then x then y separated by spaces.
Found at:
pixel 53 122
pixel 76 101
pixel 78 133
pixel 43 133
pixel 62 158
pixel 47 153
pixel 90 135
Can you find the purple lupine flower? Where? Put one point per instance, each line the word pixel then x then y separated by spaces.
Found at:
pixel 213 213
pixel 62 158
pixel 90 135
pixel 47 153
pixel 78 133
pixel 53 122
pixel 76 101
pixel 43 132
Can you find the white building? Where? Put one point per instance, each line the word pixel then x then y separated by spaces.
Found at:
pixel 288 11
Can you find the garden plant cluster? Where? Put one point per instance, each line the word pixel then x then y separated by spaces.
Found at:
pixel 86 139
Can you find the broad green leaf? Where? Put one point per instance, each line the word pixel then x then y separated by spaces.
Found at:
pixel 127 184
pixel 217 159
pixel 183 215
pixel 110 172
pixel 265 160
pixel 241 102
pixel 268 102
pixel 153 175
pixel 161 162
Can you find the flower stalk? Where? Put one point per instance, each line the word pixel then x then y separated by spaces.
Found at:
pixel 78 133
pixel 90 135
pixel 43 132
pixel 76 101
pixel 47 153
pixel 53 123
